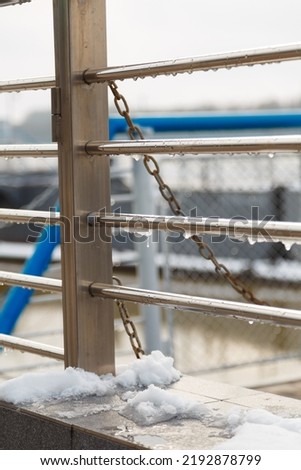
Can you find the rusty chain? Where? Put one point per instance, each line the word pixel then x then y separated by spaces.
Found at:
pixel 153 168
pixel 129 325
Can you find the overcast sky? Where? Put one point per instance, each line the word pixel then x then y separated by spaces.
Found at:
pixel 145 30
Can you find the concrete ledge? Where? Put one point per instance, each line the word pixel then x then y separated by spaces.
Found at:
pixel 94 422
pixel 23 429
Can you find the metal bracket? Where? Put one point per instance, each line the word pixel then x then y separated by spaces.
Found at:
pixel 55 113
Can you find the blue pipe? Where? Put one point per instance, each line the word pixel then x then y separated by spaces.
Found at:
pixel 17 297
pixel 212 122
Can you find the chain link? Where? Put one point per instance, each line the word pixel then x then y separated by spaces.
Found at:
pixel 153 168
pixel 207 253
pixel 129 325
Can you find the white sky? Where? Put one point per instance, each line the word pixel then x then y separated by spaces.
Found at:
pixel 160 29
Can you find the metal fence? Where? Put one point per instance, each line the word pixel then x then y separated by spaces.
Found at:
pixel 80 116
pixel 232 186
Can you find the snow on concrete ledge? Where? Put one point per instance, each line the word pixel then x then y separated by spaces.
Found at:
pixel 140 402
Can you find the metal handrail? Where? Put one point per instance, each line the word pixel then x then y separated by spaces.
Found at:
pixel 261 144
pixel 209 306
pixel 207 62
pixel 33 347
pixel 22 216
pixel 254 230
pixel 5 3
pixel 28 150
pixel 216 307
pixel 24 84
pixel 28 281
pixel 260 230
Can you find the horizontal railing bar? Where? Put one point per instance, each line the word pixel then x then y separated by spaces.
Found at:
pixel 261 144
pixel 25 345
pixel 45 284
pixel 22 216
pixel 24 84
pixel 191 64
pixel 5 3
pixel 260 230
pixel 122 197
pixel 215 307
pixel 28 150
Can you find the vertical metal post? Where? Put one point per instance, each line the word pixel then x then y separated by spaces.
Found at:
pixel 80 43
pixel 147 269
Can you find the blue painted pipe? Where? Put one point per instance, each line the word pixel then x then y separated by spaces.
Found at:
pixel 212 122
pixel 17 297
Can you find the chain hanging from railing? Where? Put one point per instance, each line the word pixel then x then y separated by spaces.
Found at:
pixel 153 168
pixel 129 325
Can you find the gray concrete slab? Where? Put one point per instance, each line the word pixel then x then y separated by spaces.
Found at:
pixel 20 429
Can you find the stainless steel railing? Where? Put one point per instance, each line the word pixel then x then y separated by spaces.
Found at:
pixel 225 60
pixel 28 150
pixel 254 230
pixel 25 84
pixel 274 230
pixel 25 345
pixel 197 146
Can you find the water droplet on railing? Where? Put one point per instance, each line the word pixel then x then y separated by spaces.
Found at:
pixel 288 245
pixel 187 234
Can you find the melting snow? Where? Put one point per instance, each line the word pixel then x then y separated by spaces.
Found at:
pixel 36 387
pixel 154 369
pixel 254 429
pixel 262 430
pixel 154 405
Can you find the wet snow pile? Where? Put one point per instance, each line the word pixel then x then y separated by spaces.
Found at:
pixel 147 406
pixel 155 369
pixel 146 401
pixel 261 430
pixel 155 405
pixel 70 383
